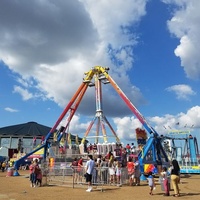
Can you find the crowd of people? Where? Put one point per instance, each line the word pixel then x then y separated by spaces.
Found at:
pixel 107 169
pixel 110 166
pixel 4 165
pixel 168 174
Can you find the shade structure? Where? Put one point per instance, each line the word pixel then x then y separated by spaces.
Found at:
pixel 26 129
pixel 35 156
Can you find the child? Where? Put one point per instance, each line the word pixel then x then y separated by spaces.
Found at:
pixel 118 173
pixel 165 181
pixel 111 168
pixel 151 182
pixel 31 173
pixel 39 178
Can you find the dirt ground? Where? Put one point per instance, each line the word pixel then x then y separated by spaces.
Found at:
pixel 18 188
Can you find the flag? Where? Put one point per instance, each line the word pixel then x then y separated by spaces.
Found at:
pixel 77 142
pixel 62 141
pixel 55 137
pixel 69 141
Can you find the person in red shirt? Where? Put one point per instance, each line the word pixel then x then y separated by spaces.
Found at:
pixel 108 155
pixel 131 170
pixel 34 169
pixel 74 166
pixel 128 146
pixel 80 169
pixel 128 149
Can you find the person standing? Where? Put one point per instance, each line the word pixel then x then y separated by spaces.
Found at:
pixel 39 178
pixel 165 181
pixel 104 170
pixel 90 164
pixel 74 166
pixel 151 182
pixel 111 169
pixel 131 169
pixel 118 173
pixel 137 172
pixel 124 157
pixel 34 168
pixel 175 177
pixel 79 170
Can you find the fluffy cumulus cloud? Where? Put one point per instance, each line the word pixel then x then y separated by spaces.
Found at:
pixel 50 44
pixel 76 125
pixel 184 25
pixel 181 121
pixel 188 121
pixel 125 127
pixel 182 91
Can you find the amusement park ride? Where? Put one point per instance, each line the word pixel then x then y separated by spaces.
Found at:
pixel 186 152
pixel 152 153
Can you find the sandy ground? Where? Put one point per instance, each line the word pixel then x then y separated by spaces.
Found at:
pixel 18 188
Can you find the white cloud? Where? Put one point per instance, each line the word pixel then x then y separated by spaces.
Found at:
pixel 182 91
pixel 188 121
pixel 185 26
pixel 23 82
pixel 50 44
pixel 192 117
pixel 11 109
pixel 76 125
pixel 111 20
pixel 181 121
pixel 125 127
pixel 26 95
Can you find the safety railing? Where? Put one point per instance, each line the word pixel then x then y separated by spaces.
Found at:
pixel 189 166
pixel 65 175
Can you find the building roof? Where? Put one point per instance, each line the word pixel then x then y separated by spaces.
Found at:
pixel 26 129
pixel 29 129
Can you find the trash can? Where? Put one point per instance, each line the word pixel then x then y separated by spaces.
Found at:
pixel 10 171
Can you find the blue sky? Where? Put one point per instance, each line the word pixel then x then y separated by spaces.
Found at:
pixel 151 48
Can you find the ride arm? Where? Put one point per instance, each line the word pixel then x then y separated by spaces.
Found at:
pixel 65 111
pixel 148 128
pixel 21 160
